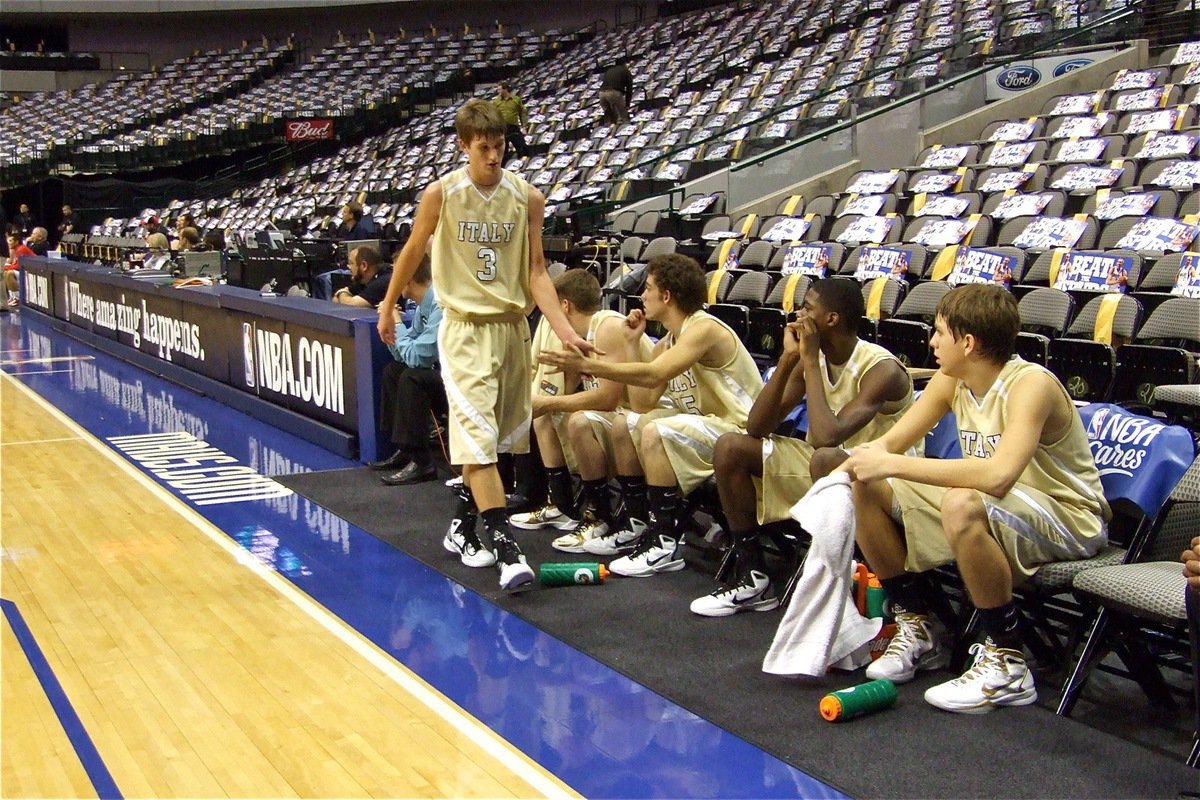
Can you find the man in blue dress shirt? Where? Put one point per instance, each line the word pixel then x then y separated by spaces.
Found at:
pixel 411 392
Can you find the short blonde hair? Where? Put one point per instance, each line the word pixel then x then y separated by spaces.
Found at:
pixel 157 241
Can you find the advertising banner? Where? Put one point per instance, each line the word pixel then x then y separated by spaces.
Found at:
pixel 1018 76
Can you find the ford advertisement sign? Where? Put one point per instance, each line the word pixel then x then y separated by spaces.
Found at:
pixel 1017 78
pixel 1005 81
pixel 1070 66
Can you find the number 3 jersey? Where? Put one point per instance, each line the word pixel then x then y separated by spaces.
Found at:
pixel 481 246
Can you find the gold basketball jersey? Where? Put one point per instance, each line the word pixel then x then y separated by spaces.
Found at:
pixel 726 391
pixel 645 349
pixel 846 383
pixel 545 379
pixel 481 246
pixel 1064 470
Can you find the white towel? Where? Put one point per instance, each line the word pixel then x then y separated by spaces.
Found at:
pixel 822 625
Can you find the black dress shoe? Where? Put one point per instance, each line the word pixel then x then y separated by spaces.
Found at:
pixel 397 460
pixel 413 473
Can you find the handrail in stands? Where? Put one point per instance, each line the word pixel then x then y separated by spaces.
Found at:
pixel 856 118
pixel 925 91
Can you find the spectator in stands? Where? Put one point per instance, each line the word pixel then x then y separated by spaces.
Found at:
pixel 16 249
pixel 708 369
pixel 352 225
pixel 183 222
pixel 516 118
pixel 555 397
pixel 1026 491
pixel 411 391
pixel 1191 564
pixel 67 223
pixel 155 225
pixel 215 240
pixel 38 241
pixel 855 392
pixel 616 93
pixel 24 221
pixel 12 275
pixel 190 241
pixel 369 278
pixel 159 255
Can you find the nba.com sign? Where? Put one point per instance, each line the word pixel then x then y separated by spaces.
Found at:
pixel 308 130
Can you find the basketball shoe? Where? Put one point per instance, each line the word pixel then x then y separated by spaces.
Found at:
pixel 548 516
pixel 998 677
pixel 461 538
pixel 655 552
pixel 752 593
pixel 916 645
pixel 586 530
pixel 613 543
pixel 515 574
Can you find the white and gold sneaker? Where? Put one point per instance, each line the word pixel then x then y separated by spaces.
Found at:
pixel 589 529
pixel 917 645
pixel 548 516
pixel 998 677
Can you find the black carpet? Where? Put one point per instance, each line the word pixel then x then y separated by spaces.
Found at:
pixel 642 628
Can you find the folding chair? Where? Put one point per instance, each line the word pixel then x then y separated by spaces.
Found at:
pixel 907 333
pixel 1145 594
pixel 882 297
pixel 749 290
pixel 1164 352
pixel 1052 622
pixel 1181 404
pixel 1085 365
pixel 1045 314
pixel 765 336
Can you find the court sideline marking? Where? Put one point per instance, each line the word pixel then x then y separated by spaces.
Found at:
pixel 97 771
pixel 482 736
pixel 40 441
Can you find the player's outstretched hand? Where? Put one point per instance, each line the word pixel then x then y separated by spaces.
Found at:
pixel 563 360
pixel 583 347
pixel 387 325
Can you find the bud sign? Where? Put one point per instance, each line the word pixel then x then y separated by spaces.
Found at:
pixel 308 130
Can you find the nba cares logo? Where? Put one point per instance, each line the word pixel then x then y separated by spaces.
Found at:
pixel 308 130
pixel 1097 423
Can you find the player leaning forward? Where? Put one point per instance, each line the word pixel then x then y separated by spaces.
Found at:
pixel 1025 492
pixel 489 271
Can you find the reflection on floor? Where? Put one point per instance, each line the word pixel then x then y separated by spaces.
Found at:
pixel 601 733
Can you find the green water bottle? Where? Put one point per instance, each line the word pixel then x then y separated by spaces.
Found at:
pixel 875 598
pixel 858 700
pixel 575 573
